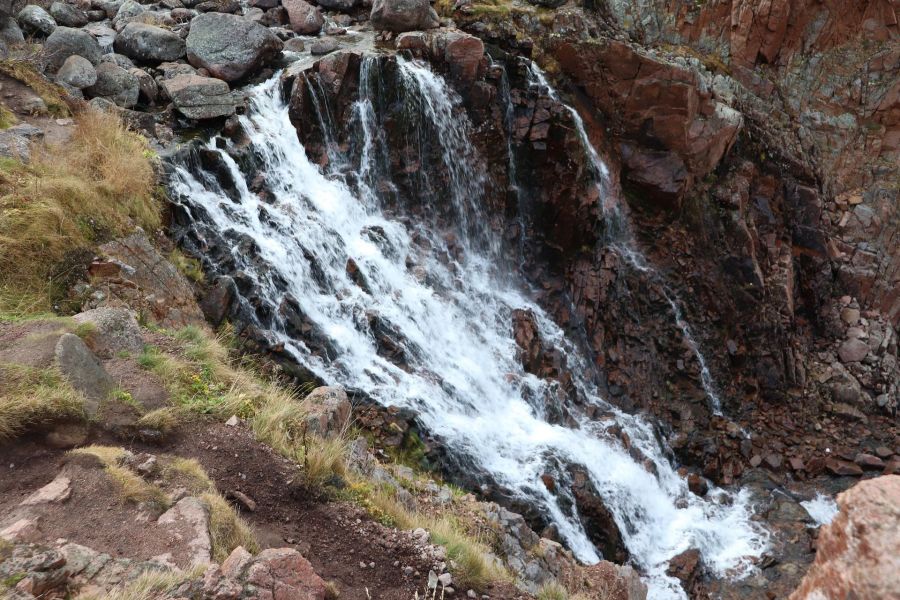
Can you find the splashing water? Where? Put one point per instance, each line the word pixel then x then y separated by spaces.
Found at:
pixel 621 238
pixel 822 509
pixel 450 319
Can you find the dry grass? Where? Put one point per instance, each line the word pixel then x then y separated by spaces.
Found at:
pixel 227 530
pixel 188 473
pixel 55 210
pixel 26 70
pixel 149 586
pixel 473 565
pixel 31 396
pixel 163 420
pixel 135 489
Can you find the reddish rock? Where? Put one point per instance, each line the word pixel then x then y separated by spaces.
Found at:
pixel 858 553
pixel 697 484
pixel 685 567
pixel 796 463
pixel 659 104
pixel 853 350
pixel 305 18
pixel 842 467
pixel 286 575
pixel 868 461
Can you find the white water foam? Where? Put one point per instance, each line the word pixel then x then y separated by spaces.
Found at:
pixel 822 509
pixel 454 319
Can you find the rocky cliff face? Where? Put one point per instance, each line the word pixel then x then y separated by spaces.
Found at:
pixel 757 148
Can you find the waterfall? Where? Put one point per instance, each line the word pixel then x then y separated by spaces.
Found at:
pixel 447 319
pixel 620 237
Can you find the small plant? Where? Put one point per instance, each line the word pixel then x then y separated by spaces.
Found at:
pixel 189 267
pixel 125 397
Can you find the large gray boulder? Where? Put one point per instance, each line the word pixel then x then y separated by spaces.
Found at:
pixel 77 72
pixel 403 15
pixel 34 20
pixel 199 97
pixel 148 43
pixel 114 330
pixel 83 371
pixel 65 42
pixel 67 15
pixel 115 84
pixel 230 47
pixel 305 18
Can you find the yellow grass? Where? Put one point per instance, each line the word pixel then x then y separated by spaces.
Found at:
pixel 31 396
pixel 55 210
pixel 227 530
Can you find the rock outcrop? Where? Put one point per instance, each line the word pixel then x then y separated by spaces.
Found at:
pixel 858 553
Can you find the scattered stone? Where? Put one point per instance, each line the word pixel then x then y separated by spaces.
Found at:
pixel 755 460
pixel 248 503
pixel 77 72
pixel 773 461
pixel 83 371
pixel 842 467
pixel 199 97
pixel 685 567
pixel 853 350
pixel 149 43
pixel 116 85
pixel 295 45
pixel 34 20
pixel 868 461
pixel 305 19
pixel 323 46
pixel 329 411
pixel 230 47
pixel 697 484
pixel 883 452
pixel 56 491
pixel 403 15
pixel 233 421
pixel 67 15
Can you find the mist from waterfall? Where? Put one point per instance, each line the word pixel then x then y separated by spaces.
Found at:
pixel 447 313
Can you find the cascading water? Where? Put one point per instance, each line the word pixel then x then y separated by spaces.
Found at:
pixel 620 237
pixel 449 316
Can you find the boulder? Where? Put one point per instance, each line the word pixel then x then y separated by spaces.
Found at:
pixel 77 72
pixel 65 42
pixel 403 15
pixel 114 330
pixel 149 90
pixel 329 411
pixel 858 553
pixel 198 97
pixel 324 46
pixel 149 43
pixel 115 84
pixel 13 144
pixel 127 11
pixel 305 18
pixel 230 47
pixel 10 31
pixel 118 59
pixel 853 350
pixel 189 521
pixel 83 371
pixel 67 15
pixel 284 573
pixel 34 20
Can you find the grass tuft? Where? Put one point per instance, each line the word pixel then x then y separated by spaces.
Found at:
pixel 32 396
pixel 27 71
pixel 149 586
pixel 227 530
pixel 188 473
pixel 163 420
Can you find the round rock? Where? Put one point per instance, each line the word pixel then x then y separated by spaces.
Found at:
pixel 149 43
pixel 115 84
pixel 230 47
pixel 65 42
pixel 68 15
pixel 34 20
pixel 77 72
